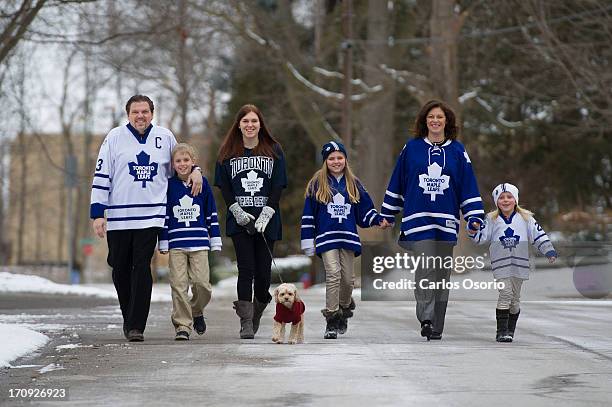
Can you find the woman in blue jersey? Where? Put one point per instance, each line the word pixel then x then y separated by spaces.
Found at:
pixel 432 181
pixel 336 203
pixel 251 174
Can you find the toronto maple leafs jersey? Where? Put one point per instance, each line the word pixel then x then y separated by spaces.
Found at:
pixel 334 225
pixel 509 241
pixel 430 185
pixel 252 179
pixel 131 178
pixel 191 221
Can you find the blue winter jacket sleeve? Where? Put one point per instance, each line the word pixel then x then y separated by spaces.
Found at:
pixel 393 202
pixel 366 215
pixel 308 227
pixel 469 196
pixel 211 219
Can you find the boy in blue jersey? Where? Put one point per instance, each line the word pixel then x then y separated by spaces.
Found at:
pixel 190 231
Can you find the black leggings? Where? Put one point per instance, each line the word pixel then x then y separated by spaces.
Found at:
pixel 254 264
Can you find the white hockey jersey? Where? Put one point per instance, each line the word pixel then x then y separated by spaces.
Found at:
pixel 509 241
pixel 131 176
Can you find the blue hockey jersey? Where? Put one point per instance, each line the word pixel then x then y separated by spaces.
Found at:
pixel 334 225
pixel 430 185
pixel 191 221
pixel 131 178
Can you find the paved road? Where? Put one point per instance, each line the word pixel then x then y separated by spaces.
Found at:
pixel 562 356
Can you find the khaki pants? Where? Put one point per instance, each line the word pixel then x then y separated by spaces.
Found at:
pixel 339 278
pixel 186 267
pixel 510 295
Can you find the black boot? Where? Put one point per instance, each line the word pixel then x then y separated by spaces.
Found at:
pixel 244 309
pixel 258 309
pixel 426 329
pixel 512 323
pixel 346 313
pixel 333 320
pixel 502 316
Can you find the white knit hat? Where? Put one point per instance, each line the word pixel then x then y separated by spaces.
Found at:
pixel 505 187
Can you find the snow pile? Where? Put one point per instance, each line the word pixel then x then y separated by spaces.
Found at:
pixel 17 341
pixel 21 283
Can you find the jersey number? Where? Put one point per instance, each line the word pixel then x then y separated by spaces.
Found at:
pixel 99 165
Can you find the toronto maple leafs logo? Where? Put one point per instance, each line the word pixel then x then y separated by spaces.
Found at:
pixel 434 183
pixel 509 240
pixel 186 211
pixel 252 183
pixel 143 170
pixel 338 209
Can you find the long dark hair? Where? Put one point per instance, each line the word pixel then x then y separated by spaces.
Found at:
pixel 420 124
pixel 232 145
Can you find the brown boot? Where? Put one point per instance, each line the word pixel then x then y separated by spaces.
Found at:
pixel 244 309
pixel 258 309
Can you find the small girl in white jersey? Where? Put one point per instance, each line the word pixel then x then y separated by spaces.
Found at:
pixel 509 230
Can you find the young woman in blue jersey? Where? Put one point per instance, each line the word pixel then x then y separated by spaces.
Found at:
pixel 336 203
pixel 432 181
pixel 250 172
pixel 508 230
pixel 190 232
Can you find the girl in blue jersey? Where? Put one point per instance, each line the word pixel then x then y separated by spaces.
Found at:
pixel 432 181
pixel 336 203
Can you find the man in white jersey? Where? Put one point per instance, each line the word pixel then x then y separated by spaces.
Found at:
pixel 128 205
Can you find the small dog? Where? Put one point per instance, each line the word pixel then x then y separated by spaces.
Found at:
pixel 289 309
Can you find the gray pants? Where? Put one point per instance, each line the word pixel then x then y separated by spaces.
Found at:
pixel 339 278
pixel 431 302
pixel 510 295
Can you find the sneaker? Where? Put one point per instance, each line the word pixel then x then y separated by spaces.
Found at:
pixel 435 336
pixel 134 335
pixel 181 336
pixel 199 324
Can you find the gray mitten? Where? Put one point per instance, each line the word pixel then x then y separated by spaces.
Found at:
pixel 264 218
pixel 242 217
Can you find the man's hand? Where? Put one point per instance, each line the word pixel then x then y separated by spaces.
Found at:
pixel 99 227
pixel 195 180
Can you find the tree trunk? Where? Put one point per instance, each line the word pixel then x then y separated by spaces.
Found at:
pixel 374 144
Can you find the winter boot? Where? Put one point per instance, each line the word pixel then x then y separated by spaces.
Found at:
pixel 512 323
pixel 244 309
pixel 258 309
pixel 346 313
pixel 426 329
pixel 333 319
pixel 502 316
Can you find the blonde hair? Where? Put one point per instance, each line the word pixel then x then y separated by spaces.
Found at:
pixel 521 211
pixel 184 148
pixel 319 188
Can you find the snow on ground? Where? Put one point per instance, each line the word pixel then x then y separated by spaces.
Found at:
pixel 21 283
pixel 17 341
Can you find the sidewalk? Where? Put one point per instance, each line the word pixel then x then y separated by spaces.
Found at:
pixel 562 357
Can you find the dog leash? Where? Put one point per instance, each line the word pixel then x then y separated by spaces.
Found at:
pixel 280 277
